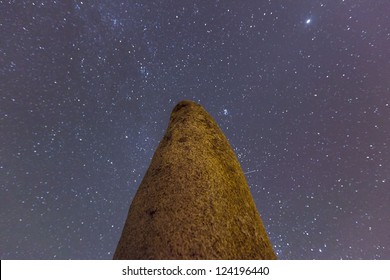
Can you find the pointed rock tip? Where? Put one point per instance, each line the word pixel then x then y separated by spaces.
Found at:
pixel 184 103
pixel 185 107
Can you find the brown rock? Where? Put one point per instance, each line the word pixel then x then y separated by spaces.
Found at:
pixel 194 201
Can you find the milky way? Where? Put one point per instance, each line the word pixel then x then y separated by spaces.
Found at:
pixel 300 88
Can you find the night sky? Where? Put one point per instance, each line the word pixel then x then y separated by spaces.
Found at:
pixel 300 88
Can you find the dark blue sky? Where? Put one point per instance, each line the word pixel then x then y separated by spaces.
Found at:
pixel 300 88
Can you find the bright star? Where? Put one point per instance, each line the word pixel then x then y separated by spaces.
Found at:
pixel 308 21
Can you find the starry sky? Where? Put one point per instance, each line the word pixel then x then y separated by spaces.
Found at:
pixel 300 88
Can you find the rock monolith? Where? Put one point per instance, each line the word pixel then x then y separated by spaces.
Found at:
pixel 194 201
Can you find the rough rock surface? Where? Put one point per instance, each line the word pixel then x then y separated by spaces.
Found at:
pixel 194 201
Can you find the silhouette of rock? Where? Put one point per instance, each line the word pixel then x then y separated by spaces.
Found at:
pixel 194 201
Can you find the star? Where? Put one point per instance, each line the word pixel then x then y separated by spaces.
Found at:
pixel 87 90
pixel 225 112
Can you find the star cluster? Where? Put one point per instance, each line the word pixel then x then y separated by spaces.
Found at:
pixel 300 88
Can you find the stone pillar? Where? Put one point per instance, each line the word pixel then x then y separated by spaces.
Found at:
pixel 194 201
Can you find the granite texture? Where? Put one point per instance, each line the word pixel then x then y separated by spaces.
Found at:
pixel 194 201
